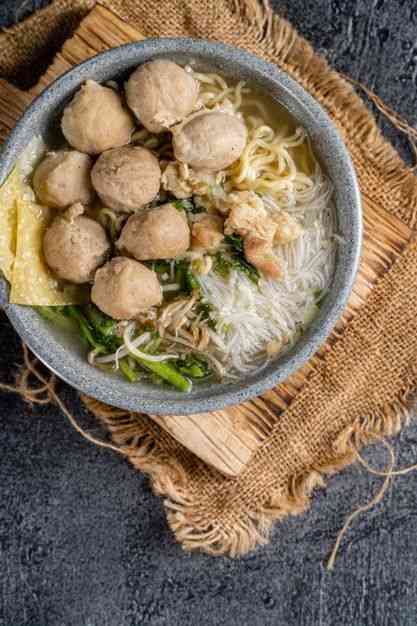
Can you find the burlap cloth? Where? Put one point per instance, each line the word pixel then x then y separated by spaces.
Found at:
pixel 359 389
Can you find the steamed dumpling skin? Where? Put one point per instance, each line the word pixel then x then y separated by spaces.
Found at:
pixel 95 120
pixel 210 141
pixel 161 94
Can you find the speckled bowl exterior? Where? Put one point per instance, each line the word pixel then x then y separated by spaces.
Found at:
pixel 63 353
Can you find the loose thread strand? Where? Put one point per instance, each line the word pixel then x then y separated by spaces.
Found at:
pixel 48 386
pixel 362 509
pixel 393 473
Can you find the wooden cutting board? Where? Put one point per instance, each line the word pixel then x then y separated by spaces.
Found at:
pixel 225 439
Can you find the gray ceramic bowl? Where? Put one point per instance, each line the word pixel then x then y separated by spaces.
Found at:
pixel 62 353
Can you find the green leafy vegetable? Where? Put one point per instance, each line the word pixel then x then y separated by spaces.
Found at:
pixel 128 372
pixel 223 265
pixel 97 329
pixel 156 380
pixel 58 316
pixel 189 206
pixel 205 310
pixel 193 366
pixel 167 371
pixel 235 241
pixel 250 270
pixel 86 329
pixel 104 328
pixel 154 344
pixel 102 323
pixel 185 277
pixel 161 267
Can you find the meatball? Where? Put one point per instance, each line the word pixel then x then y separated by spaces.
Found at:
pixel 161 93
pixel 210 141
pixel 95 120
pixel 63 178
pixel 124 289
pixel 208 233
pixel 75 246
pixel 160 233
pixel 126 178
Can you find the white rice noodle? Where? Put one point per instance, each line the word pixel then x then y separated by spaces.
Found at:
pixel 250 316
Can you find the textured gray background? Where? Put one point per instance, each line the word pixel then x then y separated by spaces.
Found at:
pixel 83 542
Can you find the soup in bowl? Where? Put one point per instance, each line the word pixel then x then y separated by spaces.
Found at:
pixel 188 226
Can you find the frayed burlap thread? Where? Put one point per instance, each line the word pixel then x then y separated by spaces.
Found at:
pixel 359 386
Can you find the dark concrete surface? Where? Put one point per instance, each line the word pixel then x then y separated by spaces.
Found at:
pixel 83 542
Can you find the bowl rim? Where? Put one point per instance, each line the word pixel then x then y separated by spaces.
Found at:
pixel 65 365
